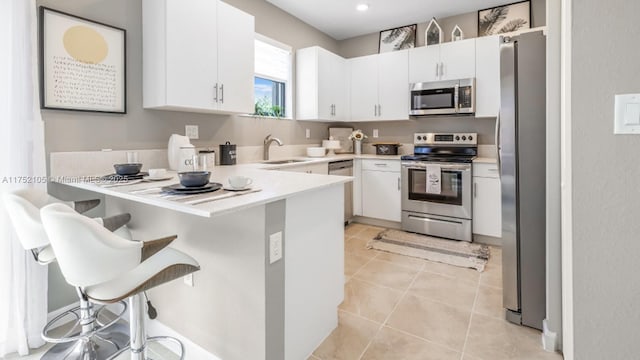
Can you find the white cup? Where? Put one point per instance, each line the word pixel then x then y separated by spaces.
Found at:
pixel 157 173
pixel 240 182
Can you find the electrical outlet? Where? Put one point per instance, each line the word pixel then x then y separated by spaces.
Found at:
pixel 375 133
pixel 188 280
pixel 275 247
pixel 308 134
pixel 191 131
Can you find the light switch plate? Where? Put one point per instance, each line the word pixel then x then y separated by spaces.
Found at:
pixel 307 134
pixel 275 247
pixel 375 133
pixel 627 114
pixel 191 131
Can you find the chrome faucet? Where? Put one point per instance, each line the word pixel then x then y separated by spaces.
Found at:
pixel 267 142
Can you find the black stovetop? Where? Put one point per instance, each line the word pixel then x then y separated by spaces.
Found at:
pixel 461 154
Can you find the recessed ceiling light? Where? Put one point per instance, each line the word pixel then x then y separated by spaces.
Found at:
pixel 362 7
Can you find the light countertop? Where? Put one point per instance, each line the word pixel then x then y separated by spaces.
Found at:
pixel 484 160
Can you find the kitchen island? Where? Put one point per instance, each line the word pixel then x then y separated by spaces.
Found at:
pixel 243 305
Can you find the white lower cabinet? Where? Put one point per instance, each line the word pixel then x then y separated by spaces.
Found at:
pixel 381 185
pixel 487 200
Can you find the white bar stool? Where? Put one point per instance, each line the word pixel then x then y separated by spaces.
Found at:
pixel 89 338
pixel 107 268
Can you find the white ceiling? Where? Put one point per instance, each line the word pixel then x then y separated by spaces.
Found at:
pixel 340 19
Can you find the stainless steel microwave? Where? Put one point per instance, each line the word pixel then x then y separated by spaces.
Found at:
pixel 452 97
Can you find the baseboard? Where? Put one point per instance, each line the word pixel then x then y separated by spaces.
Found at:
pixel 377 222
pixel 54 313
pixel 549 338
pixel 487 240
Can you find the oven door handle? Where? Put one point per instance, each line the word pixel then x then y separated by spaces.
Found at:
pixel 421 166
pixel 426 219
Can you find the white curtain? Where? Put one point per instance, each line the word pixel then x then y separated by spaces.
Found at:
pixel 23 283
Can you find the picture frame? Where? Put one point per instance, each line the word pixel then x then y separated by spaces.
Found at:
pixel 504 18
pixel 399 38
pixel 433 34
pixel 82 64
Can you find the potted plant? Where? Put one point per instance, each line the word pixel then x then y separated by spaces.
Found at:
pixel 357 136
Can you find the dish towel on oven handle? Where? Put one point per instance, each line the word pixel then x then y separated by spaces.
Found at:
pixel 433 179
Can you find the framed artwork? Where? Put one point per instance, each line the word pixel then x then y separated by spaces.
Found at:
pixel 82 64
pixel 397 39
pixel 433 35
pixel 504 19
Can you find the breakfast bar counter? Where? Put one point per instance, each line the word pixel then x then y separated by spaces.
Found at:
pixel 272 261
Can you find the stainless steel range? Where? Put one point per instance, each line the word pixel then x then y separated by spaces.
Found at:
pixel 436 185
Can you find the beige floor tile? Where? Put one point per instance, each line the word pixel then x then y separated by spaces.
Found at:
pixel 348 340
pixel 489 302
pixel 369 301
pixel 369 232
pixel 430 320
pixel 451 291
pixel 387 274
pixel 358 246
pixel 495 339
pixel 353 263
pixel 466 274
pixel 406 261
pixel 390 344
pixel 492 276
pixel 313 358
pixel 353 229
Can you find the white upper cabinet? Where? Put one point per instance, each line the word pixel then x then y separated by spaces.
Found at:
pixel 379 87
pixel 321 85
pixel 447 61
pixel 457 60
pixel 198 56
pixel 487 76
pixel 364 88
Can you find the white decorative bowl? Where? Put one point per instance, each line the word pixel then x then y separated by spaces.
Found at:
pixel 316 151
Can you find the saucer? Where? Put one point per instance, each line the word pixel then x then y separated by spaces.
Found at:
pixel 160 178
pixel 116 177
pixel 179 189
pixel 229 188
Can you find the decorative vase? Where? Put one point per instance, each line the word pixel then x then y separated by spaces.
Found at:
pixel 357 147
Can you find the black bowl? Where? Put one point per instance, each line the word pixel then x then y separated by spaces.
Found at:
pixel 194 178
pixel 127 169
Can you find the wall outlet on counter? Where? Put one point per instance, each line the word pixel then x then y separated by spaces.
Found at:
pixel 375 133
pixel 275 247
pixel 308 133
pixel 188 280
pixel 191 131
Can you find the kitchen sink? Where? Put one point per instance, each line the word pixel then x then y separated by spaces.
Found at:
pixel 280 162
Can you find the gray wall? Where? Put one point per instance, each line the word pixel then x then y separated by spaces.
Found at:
pixel 145 129
pixel 368 44
pixel 606 199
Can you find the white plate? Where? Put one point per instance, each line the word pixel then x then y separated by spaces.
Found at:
pixel 229 188
pixel 158 178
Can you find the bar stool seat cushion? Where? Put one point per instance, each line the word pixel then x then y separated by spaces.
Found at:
pixel 165 265
pixel 46 255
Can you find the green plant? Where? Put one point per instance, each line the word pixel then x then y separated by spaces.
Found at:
pixel 265 108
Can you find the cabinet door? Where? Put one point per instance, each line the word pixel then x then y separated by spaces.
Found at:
pixel 236 59
pixel 487 206
pixel 340 86
pixel 458 60
pixel 423 63
pixel 191 54
pixel 487 76
pixel 364 88
pixel 393 85
pixel 381 195
pixel 327 84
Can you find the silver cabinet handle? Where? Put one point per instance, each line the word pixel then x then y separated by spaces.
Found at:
pixel 441 70
pixel 398 184
pixel 216 92
pixel 222 93
pixel 437 70
pixel 375 110
pixel 380 164
pixel 379 110
pixel 475 190
pixel 497 140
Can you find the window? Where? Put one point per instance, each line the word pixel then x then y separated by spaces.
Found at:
pixel 272 82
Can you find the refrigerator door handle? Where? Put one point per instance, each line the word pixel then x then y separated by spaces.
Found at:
pixel 497 140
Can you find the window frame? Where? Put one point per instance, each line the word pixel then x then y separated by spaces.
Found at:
pixel 288 83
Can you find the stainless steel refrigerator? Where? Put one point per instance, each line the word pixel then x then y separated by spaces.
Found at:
pixel 520 138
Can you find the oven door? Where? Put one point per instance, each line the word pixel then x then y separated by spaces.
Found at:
pixel 434 98
pixel 455 196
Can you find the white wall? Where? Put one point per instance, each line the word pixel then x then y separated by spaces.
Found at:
pixel 606 194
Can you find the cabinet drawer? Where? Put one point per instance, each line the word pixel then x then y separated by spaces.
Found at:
pixel 381 165
pixel 486 170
